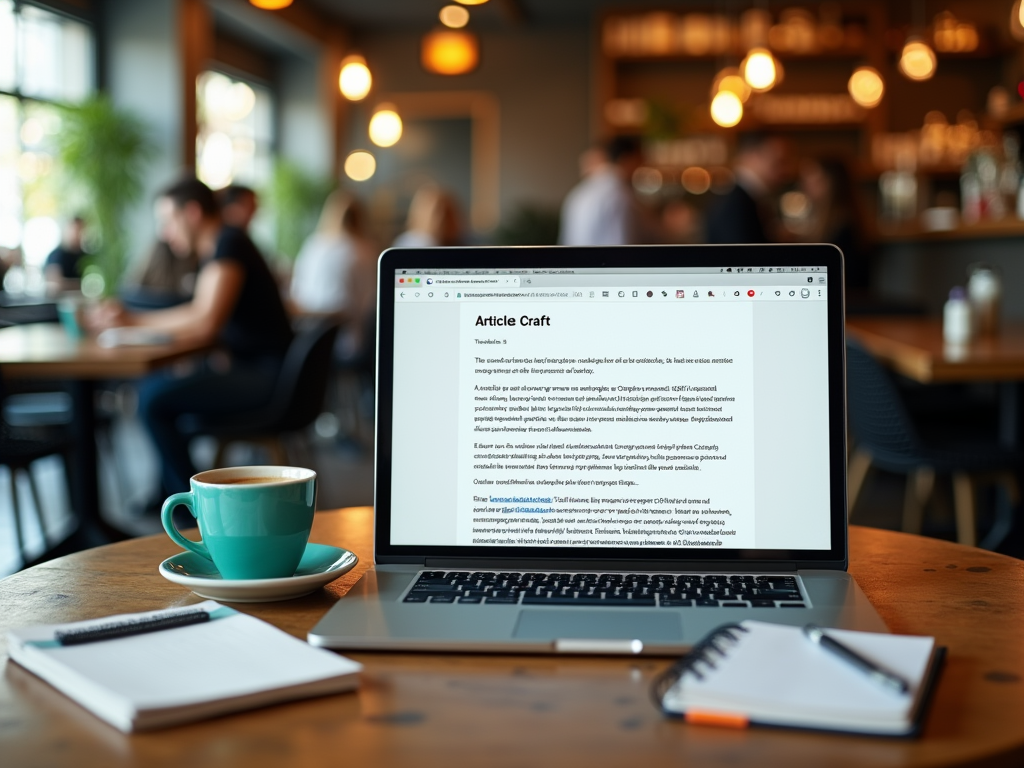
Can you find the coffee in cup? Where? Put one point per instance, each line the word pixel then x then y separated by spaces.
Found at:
pixel 254 521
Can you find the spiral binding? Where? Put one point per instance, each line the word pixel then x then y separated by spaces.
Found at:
pixel 701 652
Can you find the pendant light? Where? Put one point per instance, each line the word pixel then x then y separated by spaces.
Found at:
pixel 917 61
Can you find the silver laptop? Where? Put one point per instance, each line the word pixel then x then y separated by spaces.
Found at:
pixel 605 450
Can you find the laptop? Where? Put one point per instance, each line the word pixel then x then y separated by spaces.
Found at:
pixel 605 450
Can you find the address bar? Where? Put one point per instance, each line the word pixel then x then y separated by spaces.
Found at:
pixel 491 281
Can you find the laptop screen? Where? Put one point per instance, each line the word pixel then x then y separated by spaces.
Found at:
pixel 658 410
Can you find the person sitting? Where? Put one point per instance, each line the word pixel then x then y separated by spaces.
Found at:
pixel 336 272
pixel 433 220
pixel 163 278
pixel 62 270
pixel 238 205
pixel 746 214
pixel 236 306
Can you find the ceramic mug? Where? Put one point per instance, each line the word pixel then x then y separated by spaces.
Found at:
pixel 254 521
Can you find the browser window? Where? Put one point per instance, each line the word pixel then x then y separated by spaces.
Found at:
pixel 675 408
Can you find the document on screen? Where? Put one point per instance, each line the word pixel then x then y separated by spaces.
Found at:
pixel 580 425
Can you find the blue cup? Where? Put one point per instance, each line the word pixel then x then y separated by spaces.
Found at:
pixel 254 521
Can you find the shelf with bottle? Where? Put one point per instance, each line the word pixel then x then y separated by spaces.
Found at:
pixel 913 231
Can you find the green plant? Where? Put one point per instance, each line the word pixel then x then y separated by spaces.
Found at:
pixel 103 153
pixel 295 198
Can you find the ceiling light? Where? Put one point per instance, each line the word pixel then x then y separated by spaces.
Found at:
pixel 726 109
pixel 450 52
pixel 866 86
pixel 360 165
pixel 355 79
pixel 385 126
pixel 760 69
pixel 454 16
pixel 471 2
pixel 918 60
pixel 271 5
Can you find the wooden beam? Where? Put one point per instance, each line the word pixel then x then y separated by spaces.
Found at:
pixel 196 42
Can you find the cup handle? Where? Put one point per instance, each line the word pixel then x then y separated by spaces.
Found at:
pixel 166 517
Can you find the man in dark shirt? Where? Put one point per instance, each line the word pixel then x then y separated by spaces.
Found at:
pixel 236 306
pixel 62 270
pixel 745 214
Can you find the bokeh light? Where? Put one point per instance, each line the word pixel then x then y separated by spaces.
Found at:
pixel 696 180
pixel 360 165
pixel 450 52
pixel 760 69
pixel 385 126
pixel 454 16
pixel 726 109
pixel 355 79
pixel 866 86
pixel 918 60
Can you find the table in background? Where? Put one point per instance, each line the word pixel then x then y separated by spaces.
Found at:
pixel 477 710
pixel 45 351
pixel 913 346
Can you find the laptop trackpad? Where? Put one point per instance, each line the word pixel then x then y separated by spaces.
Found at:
pixel 613 624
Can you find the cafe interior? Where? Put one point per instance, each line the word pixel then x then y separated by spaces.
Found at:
pixel 891 129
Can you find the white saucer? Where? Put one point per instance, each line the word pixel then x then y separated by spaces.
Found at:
pixel 320 565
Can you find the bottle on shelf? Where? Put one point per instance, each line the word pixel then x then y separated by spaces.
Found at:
pixel 956 318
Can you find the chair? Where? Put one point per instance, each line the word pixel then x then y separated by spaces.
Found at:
pixel 296 402
pixel 887 438
pixel 32 427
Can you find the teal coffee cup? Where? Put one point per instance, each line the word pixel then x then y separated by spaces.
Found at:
pixel 254 521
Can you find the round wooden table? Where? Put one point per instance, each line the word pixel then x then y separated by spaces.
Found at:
pixel 451 710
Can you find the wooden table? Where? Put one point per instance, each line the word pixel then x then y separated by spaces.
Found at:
pixel 45 351
pixel 913 346
pixel 459 710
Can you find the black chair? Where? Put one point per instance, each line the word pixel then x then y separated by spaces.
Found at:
pixel 887 438
pixel 32 427
pixel 297 400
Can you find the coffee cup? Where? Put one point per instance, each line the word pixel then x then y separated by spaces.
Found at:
pixel 254 521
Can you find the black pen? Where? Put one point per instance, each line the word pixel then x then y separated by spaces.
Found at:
pixel 881 676
pixel 133 627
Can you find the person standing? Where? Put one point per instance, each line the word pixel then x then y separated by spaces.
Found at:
pixel 601 209
pixel 746 214
pixel 236 308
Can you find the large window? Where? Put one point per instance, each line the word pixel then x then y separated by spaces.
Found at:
pixel 235 138
pixel 45 58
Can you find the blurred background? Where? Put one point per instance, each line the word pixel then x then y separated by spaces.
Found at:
pixel 891 128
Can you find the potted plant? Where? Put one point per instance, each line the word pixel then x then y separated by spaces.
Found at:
pixel 103 153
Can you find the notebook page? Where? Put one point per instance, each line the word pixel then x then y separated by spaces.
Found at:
pixel 776 668
pixel 233 656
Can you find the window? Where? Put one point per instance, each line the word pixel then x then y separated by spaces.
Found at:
pixel 234 142
pixel 44 58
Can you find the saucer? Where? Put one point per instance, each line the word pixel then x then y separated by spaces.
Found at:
pixel 320 565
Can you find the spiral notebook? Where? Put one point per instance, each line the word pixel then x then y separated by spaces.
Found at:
pixel 767 674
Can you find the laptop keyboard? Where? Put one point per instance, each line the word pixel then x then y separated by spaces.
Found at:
pixel 608 589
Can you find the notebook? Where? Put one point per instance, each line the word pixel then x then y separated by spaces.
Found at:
pixel 767 674
pixel 604 450
pixel 229 663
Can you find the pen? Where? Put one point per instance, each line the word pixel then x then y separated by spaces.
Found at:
pixel 881 676
pixel 129 628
